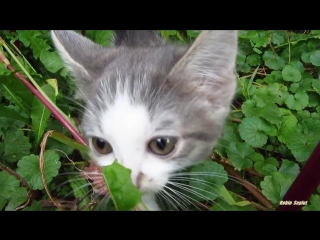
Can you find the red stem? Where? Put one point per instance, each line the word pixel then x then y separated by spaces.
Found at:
pixel 305 184
pixel 65 123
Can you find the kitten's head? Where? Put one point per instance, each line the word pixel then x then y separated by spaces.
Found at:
pixel 155 106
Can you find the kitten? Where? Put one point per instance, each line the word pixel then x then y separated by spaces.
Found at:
pixel 157 107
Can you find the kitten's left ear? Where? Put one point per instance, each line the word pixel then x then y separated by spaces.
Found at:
pixel 81 56
pixel 208 67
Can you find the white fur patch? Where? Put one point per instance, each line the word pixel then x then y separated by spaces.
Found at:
pixel 127 127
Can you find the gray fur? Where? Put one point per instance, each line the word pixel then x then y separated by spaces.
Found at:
pixel 185 87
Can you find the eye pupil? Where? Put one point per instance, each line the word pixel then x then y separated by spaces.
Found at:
pixel 161 143
pixel 100 143
pixel 101 146
pixel 162 146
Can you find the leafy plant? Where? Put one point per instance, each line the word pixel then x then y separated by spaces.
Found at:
pixel 272 130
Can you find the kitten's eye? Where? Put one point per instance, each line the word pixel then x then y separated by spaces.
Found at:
pixel 162 146
pixel 101 146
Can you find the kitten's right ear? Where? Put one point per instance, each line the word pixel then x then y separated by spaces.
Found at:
pixel 80 55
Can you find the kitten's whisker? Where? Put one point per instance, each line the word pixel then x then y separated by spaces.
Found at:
pixel 78 173
pixel 185 197
pixel 194 192
pixel 65 182
pixel 92 198
pixel 82 106
pixel 206 183
pixel 176 199
pixel 163 196
pixel 181 204
pixel 167 196
pixel 159 198
pixel 186 187
pixel 81 187
pixel 210 174
pixel 106 198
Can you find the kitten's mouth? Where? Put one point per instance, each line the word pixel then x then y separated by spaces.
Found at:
pixel 93 173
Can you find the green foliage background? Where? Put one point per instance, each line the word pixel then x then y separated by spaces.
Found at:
pixel 271 132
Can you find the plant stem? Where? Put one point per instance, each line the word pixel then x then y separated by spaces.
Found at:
pixel 253 189
pixel 55 111
pixel 7 63
pixel 142 207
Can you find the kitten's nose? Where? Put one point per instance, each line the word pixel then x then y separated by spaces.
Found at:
pixel 139 179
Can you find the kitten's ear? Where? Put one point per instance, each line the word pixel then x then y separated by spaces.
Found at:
pixel 80 55
pixel 208 67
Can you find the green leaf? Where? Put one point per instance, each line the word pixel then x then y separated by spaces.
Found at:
pixel 254 60
pixel 60 140
pixel 16 100
pixel 29 169
pixel 35 206
pixel 241 57
pixel 27 36
pixel 230 202
pixel 240 155
pixel 305 56
pixel 118 179
pixel 316 85
pixel 289 121
pixel 274 187
pixel 303 139
pixel 18 196
pixel 261 40
pixel 40 113
pixel 207 186
pixel 274 93
pixel 297 65
pixel 314 204
pixel 297 101
pixel 249 108
pixel 102 37
pixel 267 110
pixel 51 61
pixel 3 202
pixel 276 38
pixel 228 136
pixel 18 88
pixel 193 33
pixel 302 86
pixel 38 45
pixel 289 167
pixel 11 113
pixel 291 74
pixel 313 100
pixel 11 192
pixel 8 184
pixel 4 70
pixel 254 130
pixel 274 77
pixel 273 61
pixel 16 145
pixel 266 167
pixel 80 191
pixel 245 68
pixel 315 58
pixel 271 113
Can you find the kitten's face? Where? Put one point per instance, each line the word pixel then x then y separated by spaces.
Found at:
pixel 156 109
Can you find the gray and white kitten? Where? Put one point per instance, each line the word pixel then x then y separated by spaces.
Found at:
pixel 157 107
